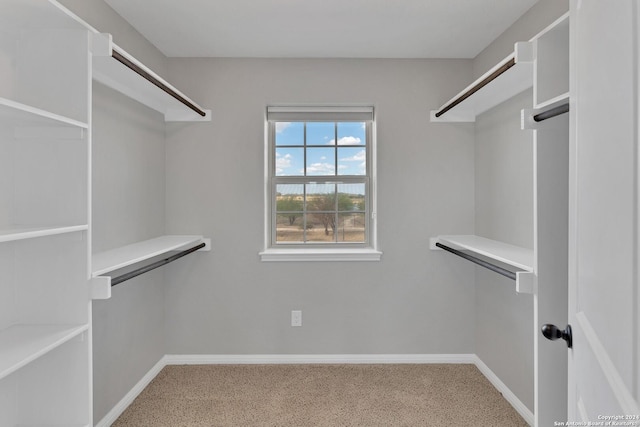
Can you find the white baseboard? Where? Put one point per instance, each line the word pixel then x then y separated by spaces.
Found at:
pixel 264 359
pixel 267 359
pixel 120 407
pixel 509 396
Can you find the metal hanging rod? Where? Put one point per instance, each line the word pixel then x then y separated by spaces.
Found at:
pixel 556 111
pixel 153 266
pixel 506 273
pixel 143 73
pixel 477 87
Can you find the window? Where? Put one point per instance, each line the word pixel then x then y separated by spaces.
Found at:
pixel 320 194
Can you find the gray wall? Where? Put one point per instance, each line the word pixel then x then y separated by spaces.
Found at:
pixel 228 302
pixel 504 211
pixel 128 206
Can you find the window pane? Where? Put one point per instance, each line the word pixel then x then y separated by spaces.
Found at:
pixel 352 133
pixel 351 197
pixel 321 161
pixel 289 133
pixel 289 198
pixel 289 161
pixel 321 197
pixel 319 133
pixel 286 231
pixel 321 227
pixel 352 161
pixel 289 207
pixel 350 228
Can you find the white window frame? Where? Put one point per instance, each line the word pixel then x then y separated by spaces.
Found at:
pixel 367 251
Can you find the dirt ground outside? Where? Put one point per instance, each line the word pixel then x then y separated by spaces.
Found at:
pixel 350 228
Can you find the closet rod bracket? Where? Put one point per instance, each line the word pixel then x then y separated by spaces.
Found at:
pixel 100 287
pixel 207 245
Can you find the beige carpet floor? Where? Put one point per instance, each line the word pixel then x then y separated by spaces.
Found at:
pixel 320 395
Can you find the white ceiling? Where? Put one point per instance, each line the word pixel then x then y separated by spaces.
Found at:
pixel 321 28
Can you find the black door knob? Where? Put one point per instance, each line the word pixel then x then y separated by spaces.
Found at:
pixel 551 332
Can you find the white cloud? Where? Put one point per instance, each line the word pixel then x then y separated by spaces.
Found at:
pixel 360 156
pixel 346 140
pixel 281 126
pixel 283 162
pixel 320 169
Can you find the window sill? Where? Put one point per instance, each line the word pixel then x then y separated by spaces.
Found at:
pixel 320 254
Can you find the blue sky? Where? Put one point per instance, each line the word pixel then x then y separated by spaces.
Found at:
pixel 321 148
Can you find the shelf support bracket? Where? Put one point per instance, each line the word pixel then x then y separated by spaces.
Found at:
pixel 525 282
pixel 100 287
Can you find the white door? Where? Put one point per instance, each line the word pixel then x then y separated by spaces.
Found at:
pixel 604 296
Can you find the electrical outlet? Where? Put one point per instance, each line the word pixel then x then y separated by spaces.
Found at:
pixel 296 317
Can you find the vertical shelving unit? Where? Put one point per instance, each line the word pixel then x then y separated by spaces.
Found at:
pixel 45 137
pixel 551 204
pixel 48 59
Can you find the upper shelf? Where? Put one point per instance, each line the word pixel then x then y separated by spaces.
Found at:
pixel 115 68
pixel 542 62
pixel 509 77
pixel 115 259
pixel 112 65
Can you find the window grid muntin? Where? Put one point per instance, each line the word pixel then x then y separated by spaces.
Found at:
pixel 335 178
